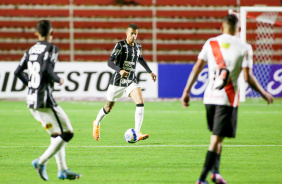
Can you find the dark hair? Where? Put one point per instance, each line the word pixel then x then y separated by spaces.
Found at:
pixel 231 20
pixel 43 27
pixel 132 26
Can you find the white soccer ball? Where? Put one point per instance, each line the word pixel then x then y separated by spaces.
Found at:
pixel 131 136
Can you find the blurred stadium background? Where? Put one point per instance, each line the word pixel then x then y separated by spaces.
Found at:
pixel 86 30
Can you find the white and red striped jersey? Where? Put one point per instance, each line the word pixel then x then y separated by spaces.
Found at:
pixel 230 52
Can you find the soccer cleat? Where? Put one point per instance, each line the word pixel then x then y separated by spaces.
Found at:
pixel 217 178
pixel 96 131
pixel 201 182
pixel 67 174
pixel 41 169
pixel 143 136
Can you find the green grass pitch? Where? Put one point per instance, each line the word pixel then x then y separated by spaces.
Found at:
pixel 174 152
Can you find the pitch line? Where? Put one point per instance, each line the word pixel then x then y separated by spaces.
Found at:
pixel 149 112
pixel 144 146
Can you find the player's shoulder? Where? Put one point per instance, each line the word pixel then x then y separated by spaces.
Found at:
pixel 243 45
pixel 138 45
pixel 49 46
pixel 121 43
pixel 54 48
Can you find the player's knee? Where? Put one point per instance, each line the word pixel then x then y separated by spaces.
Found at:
pixel 107 109
pixel 140 101
pixel 67 136
pixel 54 135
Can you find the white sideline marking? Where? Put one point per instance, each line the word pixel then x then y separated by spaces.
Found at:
pixel 142 146
pixel 148 111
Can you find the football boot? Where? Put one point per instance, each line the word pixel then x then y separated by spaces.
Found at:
pixel 96 131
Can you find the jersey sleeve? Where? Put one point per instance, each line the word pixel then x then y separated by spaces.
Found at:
pixel 50 59
pixel 19 71
pixel 54 54
pixel 115 53
pixel 204 52
pixel 248 57
pixel 143 62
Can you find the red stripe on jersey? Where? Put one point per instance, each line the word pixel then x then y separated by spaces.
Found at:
pixel 229 89
pixel 217 54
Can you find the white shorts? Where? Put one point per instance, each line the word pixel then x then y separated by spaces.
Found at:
pixel 115 92
pixel 54 120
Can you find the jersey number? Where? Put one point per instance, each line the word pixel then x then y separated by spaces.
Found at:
pixel 34 72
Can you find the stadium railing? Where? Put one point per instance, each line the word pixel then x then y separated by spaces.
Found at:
pixel 181 26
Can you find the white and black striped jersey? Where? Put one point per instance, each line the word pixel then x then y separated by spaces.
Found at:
pixel 39 60
pixel 125 57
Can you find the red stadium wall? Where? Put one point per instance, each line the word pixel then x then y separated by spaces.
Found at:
pixel 181 26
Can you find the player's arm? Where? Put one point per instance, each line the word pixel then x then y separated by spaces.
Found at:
pixel 143 62
pixel 53 75
pixel 198 67
pixel 111 62
pixel 50 61
pixel 113 66
pixel 249 77
pixel 19 71
pixel 254 84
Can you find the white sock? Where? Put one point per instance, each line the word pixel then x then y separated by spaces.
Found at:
pixel 61 157
pixel 139 115
pixel 54 147
pixel 101 115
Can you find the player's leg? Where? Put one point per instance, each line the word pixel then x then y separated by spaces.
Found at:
pixel 55 121
pixel 211 156
pixel 227 123
pixel 136 95
pixel 67 135
pixel 101 115
pixel 46 118
pixel 215 176
pixel 104 111
pixel 210 109
pixel 113 94
pixel 215 168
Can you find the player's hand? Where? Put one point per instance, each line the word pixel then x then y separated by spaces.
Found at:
pixel 185 99
pixel 124 73
pixel 268 97
pixel 61 81
pixel 154 77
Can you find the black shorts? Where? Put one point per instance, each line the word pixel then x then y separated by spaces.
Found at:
pixel 222 120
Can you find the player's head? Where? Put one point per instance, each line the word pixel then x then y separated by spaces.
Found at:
pixel 230 24
pixel 44 30
pixel 131 33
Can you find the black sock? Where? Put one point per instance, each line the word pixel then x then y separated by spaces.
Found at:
pixel 210 159
pixel 215 168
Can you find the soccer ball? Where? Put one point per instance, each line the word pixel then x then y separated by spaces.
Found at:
pixel 131 136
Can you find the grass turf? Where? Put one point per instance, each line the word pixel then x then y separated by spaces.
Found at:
pixel 174 152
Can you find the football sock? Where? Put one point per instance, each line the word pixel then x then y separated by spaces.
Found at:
pixel 139 115
pixel 210 159
pixel 54 147
pixel 101 115
pixel 60 157
pixel 215 168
